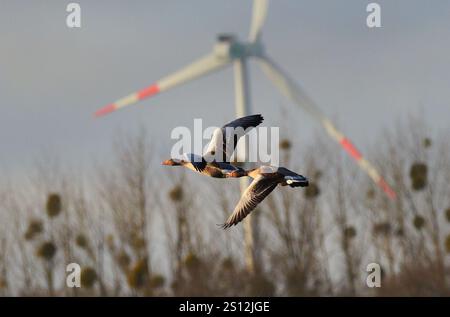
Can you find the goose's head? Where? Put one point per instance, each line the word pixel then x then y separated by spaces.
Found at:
pixel 172 162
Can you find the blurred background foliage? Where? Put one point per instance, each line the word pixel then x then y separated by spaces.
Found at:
pixel 140 230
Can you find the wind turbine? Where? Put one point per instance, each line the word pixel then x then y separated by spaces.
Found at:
pixel 230 50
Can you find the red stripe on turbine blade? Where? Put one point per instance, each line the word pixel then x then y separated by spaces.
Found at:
pixel 351 149
pixel 387 189
pixel 105 110
pixel 148 92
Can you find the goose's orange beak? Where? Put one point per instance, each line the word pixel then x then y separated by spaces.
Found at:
pixel 168 162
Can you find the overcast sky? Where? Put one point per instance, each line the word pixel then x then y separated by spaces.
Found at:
pixel 53 78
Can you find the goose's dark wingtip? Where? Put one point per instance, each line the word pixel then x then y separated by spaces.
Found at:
pixel 260 117
pixel 223 226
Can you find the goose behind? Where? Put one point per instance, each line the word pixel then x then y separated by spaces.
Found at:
pixel 265 180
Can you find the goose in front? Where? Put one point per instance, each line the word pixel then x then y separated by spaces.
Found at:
pixel 216 160
pixel 212 169
pixel 265 179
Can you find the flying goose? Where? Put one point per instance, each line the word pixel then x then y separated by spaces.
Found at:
pixel 198 164
pixel 216 160
pixel 265 179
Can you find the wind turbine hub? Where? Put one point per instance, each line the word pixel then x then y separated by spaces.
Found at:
pixel 228 45
pixel 226 37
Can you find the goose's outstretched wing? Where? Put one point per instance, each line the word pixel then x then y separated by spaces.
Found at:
pixel 259 189
pixel 224 140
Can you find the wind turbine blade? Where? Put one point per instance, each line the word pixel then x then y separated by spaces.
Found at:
pixel 258 18
pixel 201 67
pixel 296 94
